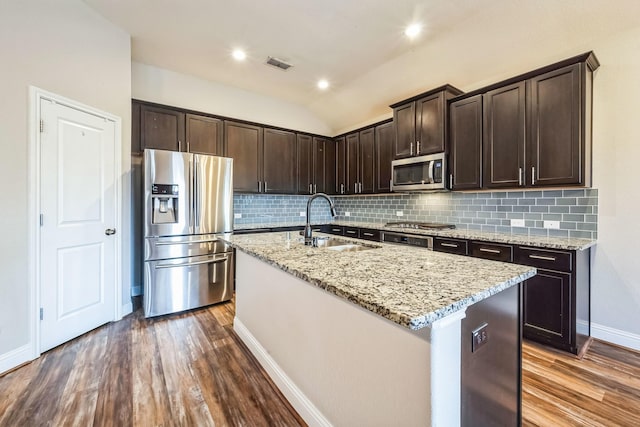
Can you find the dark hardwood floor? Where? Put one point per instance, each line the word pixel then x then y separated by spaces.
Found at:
pixel 182 370
pixel 192 370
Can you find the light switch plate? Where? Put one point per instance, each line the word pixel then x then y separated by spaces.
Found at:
pixel 237 216
pixel 552 224
pixel 517 222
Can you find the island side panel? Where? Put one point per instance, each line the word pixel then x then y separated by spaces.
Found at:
pixel 356 367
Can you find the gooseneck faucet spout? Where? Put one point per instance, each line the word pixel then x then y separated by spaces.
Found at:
pixel 307 228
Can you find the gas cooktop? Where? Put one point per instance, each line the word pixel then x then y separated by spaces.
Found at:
pixel 419 225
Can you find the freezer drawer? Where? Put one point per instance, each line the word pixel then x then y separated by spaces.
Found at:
pixel 156 248
pixel 184 283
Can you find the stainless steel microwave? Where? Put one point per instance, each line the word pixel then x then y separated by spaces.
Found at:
pixel 420 173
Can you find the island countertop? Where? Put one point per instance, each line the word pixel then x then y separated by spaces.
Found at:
pixel 410 286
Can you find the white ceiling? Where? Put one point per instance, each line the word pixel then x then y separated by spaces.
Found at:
pixel 359 45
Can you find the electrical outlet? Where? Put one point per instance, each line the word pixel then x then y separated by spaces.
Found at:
pixel 303 213
pixel 517 222
pixel 347 214
pixel 479 337
pixel 237 216
pixel 552 224
pixel 399 213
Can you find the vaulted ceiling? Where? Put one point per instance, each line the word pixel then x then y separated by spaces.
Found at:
pixel 359 46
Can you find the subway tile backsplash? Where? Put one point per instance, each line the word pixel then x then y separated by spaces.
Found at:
pixel 575 209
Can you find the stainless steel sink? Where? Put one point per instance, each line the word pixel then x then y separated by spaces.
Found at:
pixel 340 245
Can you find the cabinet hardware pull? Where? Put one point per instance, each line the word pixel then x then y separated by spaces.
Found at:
pixel 341 188
pixel 335 229
pixel 545 258
pixel 179 145
pixel 310 188
pixel 417 147
pixel 411 148
pixel 315 188
pixel 533 175
pixel 451 181
pixel 188 147
pixel 491 251
pixel 351 232
pixel 368 234
pixel 519 176
pixel 265 186
pixel 259 186
pixel 449 245
pixel 360 188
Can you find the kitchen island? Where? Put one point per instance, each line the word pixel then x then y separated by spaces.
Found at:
pixel 372 337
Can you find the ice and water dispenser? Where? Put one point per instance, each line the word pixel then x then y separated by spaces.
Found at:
pixel 164 202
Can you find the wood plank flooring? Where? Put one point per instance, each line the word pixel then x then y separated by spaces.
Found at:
pixel 182 370
pixel 192 370
pixel 601 389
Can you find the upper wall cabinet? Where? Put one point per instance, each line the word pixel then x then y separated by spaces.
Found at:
pixel 171 129
pixel 421 123
pixel 316 165
pixel 279 162
pixel 536 128
pixel 244 144
pixel 465 144
pixel 385 138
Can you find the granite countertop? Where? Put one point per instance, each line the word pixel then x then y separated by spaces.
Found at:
pixel 514 239
pixel 410 286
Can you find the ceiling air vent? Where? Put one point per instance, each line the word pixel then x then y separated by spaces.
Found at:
pixel 275 62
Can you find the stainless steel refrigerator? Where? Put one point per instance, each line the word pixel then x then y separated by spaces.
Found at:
pixel 188 204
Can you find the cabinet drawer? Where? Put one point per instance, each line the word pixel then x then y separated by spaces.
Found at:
pixel 492 251
pixel 332 229
pixel 351 232
pixel 544 258
pixel 369 234
pixel 452 246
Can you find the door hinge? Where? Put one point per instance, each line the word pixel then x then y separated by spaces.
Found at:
pixel 41 313
pixel 41 125
pixel 41 220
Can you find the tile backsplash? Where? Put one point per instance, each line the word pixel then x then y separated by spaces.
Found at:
pixel 575 209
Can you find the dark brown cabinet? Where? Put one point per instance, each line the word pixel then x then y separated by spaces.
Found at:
pixel 367 164
pixel 204 135
pixel 161 128
pixel 341 165
pixel 279 170
pixel 493 251
pixel 421 123
pixel 504 136
pixel 305 164
pixel 352 161
pixel 452 246
pixel 383 157
pixel 536 129
pixel 556 301
pixel 244 144
pixel 465 144
pixel 316 165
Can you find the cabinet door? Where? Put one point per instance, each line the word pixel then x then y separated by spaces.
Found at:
pixel 341 165
pixel 305 164
pixel 430 124
pixel 319 167
pixel 161 128
pixel 384 156
pixel 557 144
pixel 367 161
pixel 547 309
pixel 330 172
pixel 404 119
pixel 136 146
pixel 279 162
pixel 204 135
pixel 351 169
pixel 465 143
pixel 504 136
pixel 244 145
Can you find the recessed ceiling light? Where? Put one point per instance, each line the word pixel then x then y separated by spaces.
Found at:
pixel 323 84
pixel 413 30
pixel 239 55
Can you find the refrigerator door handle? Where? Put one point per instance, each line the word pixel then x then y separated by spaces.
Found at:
pixel 191 207
pixel 188 264
pixel 196 194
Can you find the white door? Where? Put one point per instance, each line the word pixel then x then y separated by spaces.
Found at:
pixel 78 256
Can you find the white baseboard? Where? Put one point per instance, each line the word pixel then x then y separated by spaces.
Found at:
pixel 15 358
pixel 615 336
pixel 295 396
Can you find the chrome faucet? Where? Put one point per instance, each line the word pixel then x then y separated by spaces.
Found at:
pixel 307 228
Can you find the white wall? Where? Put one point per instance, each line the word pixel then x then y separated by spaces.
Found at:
pixel 615 281
pixel 65 48
pixel 170 88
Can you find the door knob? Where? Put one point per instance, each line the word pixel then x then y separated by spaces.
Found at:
pixel 110 231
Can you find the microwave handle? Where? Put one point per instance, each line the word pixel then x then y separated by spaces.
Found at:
pixel 431 165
